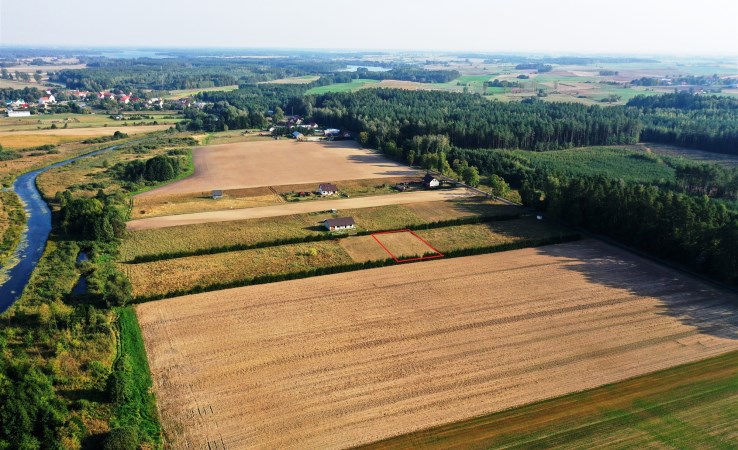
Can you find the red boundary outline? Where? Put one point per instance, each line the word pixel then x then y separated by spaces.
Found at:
pixel 422 258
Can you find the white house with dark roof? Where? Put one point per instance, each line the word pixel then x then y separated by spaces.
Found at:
pixel 342 223
pixel 327 189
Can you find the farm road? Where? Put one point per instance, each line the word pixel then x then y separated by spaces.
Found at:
pixel 296 208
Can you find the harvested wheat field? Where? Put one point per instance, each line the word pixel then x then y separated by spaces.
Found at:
pixel 346 359
pixel 271 163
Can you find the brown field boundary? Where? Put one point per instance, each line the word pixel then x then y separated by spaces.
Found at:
pixel 286 209
pixel 349 359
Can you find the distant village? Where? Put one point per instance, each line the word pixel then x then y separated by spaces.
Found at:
pixel 76 101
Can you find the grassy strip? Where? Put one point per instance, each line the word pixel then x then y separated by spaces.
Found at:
pixel 13 207
pixel 664 408
pixel 316 238
pixel 130 385
pixel 358 266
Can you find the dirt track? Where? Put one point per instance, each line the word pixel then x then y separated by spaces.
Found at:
pixel 345 359
pixel 287 209
pixel 272 163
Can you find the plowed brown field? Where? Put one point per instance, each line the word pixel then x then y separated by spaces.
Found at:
pixel 341 360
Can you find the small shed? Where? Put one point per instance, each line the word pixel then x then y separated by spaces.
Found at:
pixel 429 181
pixel 327 189
pixel 216 194
pixel 342 223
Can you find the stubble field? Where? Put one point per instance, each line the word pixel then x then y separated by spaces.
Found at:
pixel 353 358
pixel 281 162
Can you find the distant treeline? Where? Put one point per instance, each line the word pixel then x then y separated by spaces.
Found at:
pixel 185 73
pixel 705 122
pixel 691 80
pixel 540 67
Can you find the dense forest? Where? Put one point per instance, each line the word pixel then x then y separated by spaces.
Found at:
pixel 705 122
pixel 471 121
pixel 691 230
pixel 185 73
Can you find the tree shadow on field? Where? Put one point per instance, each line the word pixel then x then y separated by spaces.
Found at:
pixel 380 162
pixel 693 302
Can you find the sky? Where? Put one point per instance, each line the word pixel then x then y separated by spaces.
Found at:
pixel 676 27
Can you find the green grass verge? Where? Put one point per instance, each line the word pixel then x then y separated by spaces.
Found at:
pixel 136 405
pixel 689 406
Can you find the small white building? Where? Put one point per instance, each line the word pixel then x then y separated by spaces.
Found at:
pixel 343 223
pixel 12 113
pixel 429 181
pixel 47 100
pixel 327 189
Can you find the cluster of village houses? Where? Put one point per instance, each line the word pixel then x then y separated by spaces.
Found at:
pixel 20 108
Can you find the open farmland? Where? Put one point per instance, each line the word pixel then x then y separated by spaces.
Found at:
pixel 286 209
pixel 280 162
pixel 164 278
pixel 192 239
pixel 353 358
pixel 34 138
pixel 305 79
pixel 689 406
pixel 451 238
pixel 262 196
pixel 183 93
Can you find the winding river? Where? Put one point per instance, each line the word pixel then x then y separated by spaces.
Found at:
pixel 36 233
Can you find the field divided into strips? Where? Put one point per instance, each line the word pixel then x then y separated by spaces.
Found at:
pixel 171 276
pixel 405 246
pixel 355 358
pixel 200 237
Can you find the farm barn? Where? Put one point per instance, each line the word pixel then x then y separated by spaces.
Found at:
pixel 429 181
pixel 327 189
pixel 343 223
